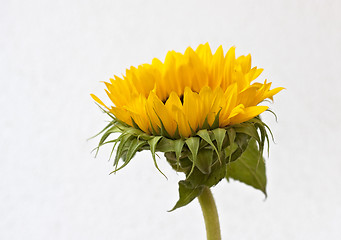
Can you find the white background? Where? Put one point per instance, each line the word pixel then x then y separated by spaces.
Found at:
pixel 55 53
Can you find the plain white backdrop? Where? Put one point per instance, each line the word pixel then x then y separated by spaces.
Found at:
pixel 53 54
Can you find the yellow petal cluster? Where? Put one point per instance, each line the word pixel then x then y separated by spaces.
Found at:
pixel 187 91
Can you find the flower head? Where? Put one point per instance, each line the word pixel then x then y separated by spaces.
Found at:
pixel 200 109
pixel 188 92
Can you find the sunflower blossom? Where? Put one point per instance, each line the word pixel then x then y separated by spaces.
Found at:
pixel 201 109
pixel 187 92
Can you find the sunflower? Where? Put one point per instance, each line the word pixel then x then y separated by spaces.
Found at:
pixel 201 109
pixel 188 92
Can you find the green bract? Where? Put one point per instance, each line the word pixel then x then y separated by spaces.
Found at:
pixel 205 158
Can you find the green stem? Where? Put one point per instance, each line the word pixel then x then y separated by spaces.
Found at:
pixel 210 213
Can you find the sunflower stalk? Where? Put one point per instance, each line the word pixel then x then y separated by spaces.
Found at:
pixel 210 214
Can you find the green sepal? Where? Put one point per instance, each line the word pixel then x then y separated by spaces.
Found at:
pixel 152 144
pixel 215 123
pixel 230 150
pixel 134 146
pixel 105 128
pixel 248 169
pixel 205 124
pixel 163 129
pixel 165 145
pixel 206 137
pixel 218 172
pixel 176 134
pixel 205 160
pixel 113 129
pixel 123 139
pixel 273 113
pixel 219 134
pixel 193 131
pixel 263 127
pixel 153 130
pixel 248 129
pixel 232 136
pixel 135 124
pixel 184 164
pixel 242 141
pixel 193 145
pixel 178 146
pixel 106 112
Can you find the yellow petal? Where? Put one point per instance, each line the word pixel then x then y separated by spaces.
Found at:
pixel 248 113
pixel 200 75
pixel 163 114
pixel 204 53
pixel 138 112
pixel 274 91
pixel 152 117
pixel 230 59
pixel 191 108
pixel 173 101
pixel 183 125
pixel 237 110
pixel 122 115
pixel 98 101
pixel 230 97
pixel 216 70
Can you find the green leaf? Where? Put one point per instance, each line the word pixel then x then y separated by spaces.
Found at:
pixel 219 134
pixel 248 169
pixel 186 194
